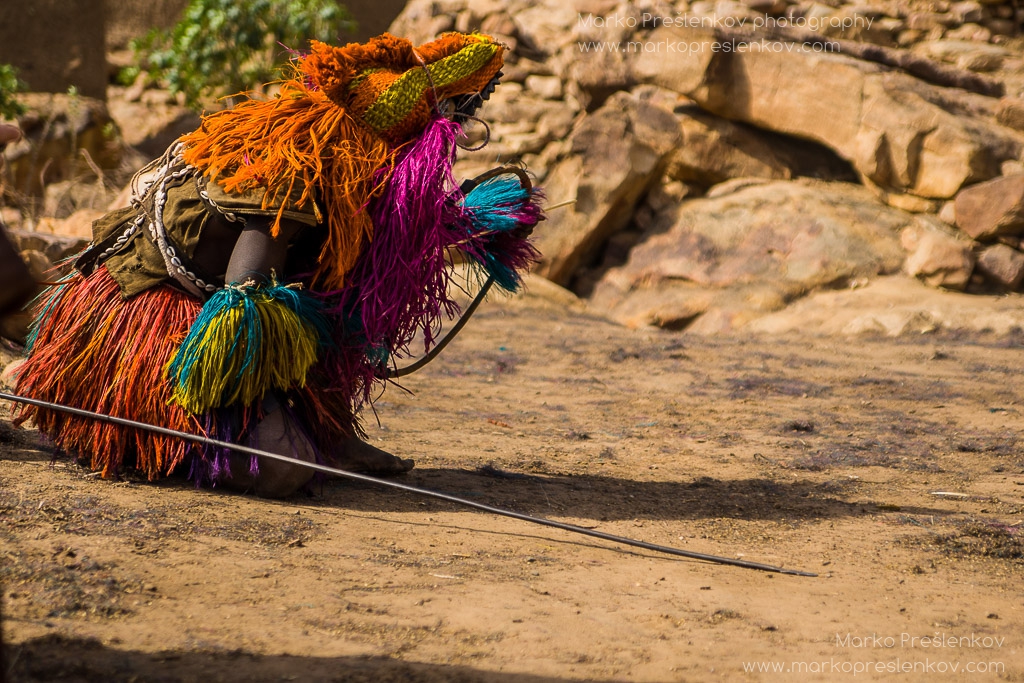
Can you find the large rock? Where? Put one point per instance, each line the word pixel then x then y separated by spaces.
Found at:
pixel 967 54
pixel 990 209
pixel 1011 113
pixel 714 150
pixel 533 26
pixel 594 77
pixel 1002 265
pixel 546 26
pixel 679 59
pixel 894 306
pixel 149 126
pixel 901 133
pixel 936 256
pixel 521 126
pixel 739 255
pixel 55 247
pixel 63 199
pixel 521 122
pixel 615 156
pixel 77 226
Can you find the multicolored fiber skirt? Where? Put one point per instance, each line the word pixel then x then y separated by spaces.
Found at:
pixel 95 350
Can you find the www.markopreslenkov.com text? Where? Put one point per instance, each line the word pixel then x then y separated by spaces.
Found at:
pixel 698 47
pixel 895 666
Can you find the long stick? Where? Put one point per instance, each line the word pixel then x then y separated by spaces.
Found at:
pixel 124 422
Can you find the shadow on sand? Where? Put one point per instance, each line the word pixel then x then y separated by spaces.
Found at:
pixel 82 660
pixel 608 498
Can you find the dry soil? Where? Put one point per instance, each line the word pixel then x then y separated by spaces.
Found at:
pixel 893 468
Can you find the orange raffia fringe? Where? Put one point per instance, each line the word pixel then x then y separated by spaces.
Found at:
pixel 96 351
pixel 300 143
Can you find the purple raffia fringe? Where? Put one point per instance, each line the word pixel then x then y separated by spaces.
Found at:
pixel 210 464
pixel 400 285
pixel 401 281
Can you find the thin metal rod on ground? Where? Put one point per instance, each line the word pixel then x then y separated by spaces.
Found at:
pixel 124 422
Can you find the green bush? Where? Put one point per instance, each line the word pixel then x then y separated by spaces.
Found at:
pixel 223 47
pixel 10 85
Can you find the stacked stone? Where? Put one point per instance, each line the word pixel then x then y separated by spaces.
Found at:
pixel 747 178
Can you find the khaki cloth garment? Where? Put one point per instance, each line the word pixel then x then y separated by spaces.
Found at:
pixel 191 223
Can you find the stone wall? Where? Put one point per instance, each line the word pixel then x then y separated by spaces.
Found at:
pixel 727 158
pixel 129 19
pixel 56 44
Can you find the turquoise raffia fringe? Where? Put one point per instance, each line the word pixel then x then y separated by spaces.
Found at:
pixel 498 208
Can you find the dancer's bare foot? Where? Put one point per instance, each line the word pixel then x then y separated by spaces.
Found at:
pixel 275 478
pixel 278 479
pixel 355 455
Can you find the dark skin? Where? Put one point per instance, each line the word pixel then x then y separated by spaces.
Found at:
pixel 256 255
pixel 16 284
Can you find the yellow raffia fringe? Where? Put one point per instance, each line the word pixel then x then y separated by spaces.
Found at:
pixel 239 356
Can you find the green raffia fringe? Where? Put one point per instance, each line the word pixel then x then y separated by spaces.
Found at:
pixel 246 341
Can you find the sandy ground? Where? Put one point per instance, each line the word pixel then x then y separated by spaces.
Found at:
pixel 819 453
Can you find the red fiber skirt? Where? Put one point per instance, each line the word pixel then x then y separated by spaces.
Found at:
pixel 95 350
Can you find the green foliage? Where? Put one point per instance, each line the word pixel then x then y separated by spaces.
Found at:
pixel 125 76
pixel 222 47
pixel 10 84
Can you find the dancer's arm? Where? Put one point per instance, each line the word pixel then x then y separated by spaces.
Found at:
pixel 258 255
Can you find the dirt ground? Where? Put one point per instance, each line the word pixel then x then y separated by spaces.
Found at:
pixel 827 454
